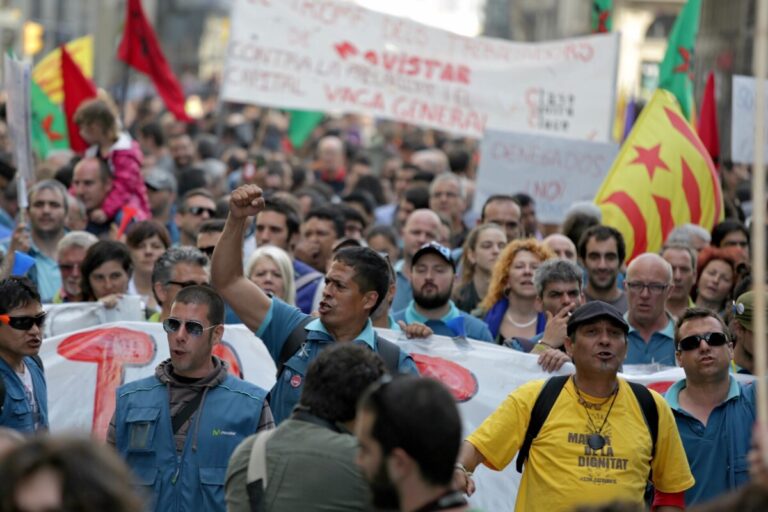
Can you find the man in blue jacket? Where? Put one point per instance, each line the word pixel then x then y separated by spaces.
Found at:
pixel 714 413
pixel 25 406
pixel 178 428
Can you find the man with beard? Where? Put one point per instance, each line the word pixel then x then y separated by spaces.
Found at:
pixel 47 215
pixel 601 253
pixel 432 275
pixel 316 440
pixel 421 227
pixel 355 284
pixel 408 459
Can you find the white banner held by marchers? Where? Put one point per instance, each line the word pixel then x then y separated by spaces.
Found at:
pixel 337 56
pixel 743 119
pixel 84 369
pixel 555 172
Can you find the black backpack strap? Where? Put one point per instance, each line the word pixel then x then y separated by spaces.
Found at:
pixel 544 402
pixel 650 412
pixel 186 412
pixel 390 353
pixel 292 343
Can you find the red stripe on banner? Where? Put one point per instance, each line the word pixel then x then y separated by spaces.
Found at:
pixel 664 208
pixel 684 129
pixel 692 192
pixel 635 217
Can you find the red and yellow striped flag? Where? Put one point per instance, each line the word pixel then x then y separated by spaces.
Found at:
pixel 662 177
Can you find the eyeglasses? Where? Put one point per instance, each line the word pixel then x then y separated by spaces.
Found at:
pixel 193 328
pixel 199 210
pixel 67 267
pixel 713 339
pixel 653 288
pixel 23 323
pixel 207 250
pixel 185 284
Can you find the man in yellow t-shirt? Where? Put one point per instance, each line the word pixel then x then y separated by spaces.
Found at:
pixel 595 445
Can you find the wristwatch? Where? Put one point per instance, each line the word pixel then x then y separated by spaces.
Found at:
pixel 464 470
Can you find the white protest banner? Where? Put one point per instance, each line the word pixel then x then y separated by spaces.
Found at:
pixel 84 368
pixel 555 172
pixel 743 119
pixel 336 56
pixel 17 82
pixel 71 316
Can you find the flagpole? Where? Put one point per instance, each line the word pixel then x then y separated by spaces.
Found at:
pixel 124 98
pixel 758 210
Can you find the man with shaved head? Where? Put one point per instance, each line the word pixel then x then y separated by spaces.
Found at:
pixel 562 246
pixel 331 165
pixel 651 337
pixel 421 227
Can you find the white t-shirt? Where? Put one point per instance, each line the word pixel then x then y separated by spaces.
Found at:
pixel 29 392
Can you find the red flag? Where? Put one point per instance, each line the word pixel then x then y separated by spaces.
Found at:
pixel 140 50
pixel 77 89
pixel 707 127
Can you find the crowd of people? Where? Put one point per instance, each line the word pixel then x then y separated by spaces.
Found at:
pixel 223 221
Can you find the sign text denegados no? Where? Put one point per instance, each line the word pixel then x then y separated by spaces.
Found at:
pixel 336 56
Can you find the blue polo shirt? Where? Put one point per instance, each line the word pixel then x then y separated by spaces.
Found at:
pixel 659 349
pixel 454 323
pixel 45 273
pixel 717 452
pixel 404 291
pixel 281 319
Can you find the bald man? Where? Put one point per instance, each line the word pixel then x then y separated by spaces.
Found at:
pixel 562 246
pixel 331 165
pixel 421 227
pixel 651 336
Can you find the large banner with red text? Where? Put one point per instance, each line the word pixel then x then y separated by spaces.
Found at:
pixel 335 56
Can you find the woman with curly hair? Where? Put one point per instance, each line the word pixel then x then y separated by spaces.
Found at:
pixel 509 307
pixel 718 272
pixel 481 251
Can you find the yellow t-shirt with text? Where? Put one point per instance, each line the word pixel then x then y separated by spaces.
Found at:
pixel 562 471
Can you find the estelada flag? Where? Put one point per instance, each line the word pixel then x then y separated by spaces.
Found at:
pixel 662 177
pixel 139 49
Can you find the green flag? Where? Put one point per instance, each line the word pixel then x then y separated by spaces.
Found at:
pixel 676 70
pixel 49 127
pixel 602 16
pixel 302 124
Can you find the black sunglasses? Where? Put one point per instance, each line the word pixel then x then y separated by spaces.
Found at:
pixel 184 284
pixel 207 250
pixel 199 210
pixel 193 327
pixel 713 339
pixel 23 323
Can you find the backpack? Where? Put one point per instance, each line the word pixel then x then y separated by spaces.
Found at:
pixel 388 351
pixel 548 396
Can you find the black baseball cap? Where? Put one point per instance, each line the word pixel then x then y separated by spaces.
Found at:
pixel 434 248
pixel 593 311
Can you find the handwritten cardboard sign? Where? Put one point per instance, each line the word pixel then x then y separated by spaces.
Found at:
pixel 555 171
pixel 336 56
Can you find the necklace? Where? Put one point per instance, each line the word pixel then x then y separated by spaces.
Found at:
pixel 523 325
pixel 596 440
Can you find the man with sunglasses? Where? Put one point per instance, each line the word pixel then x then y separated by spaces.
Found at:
pixel 714 412
pixel 196 207
pixel 21 336
pixel 355 284
pixel 651 327
pixel 178 428
pixel 176 269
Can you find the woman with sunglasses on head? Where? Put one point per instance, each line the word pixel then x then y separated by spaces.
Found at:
pixel 106 271
pixel 718 272
pixel 509 307
pixel 25 406
pixel 147 241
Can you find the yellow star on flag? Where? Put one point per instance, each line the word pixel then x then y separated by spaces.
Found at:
pixel 662 177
